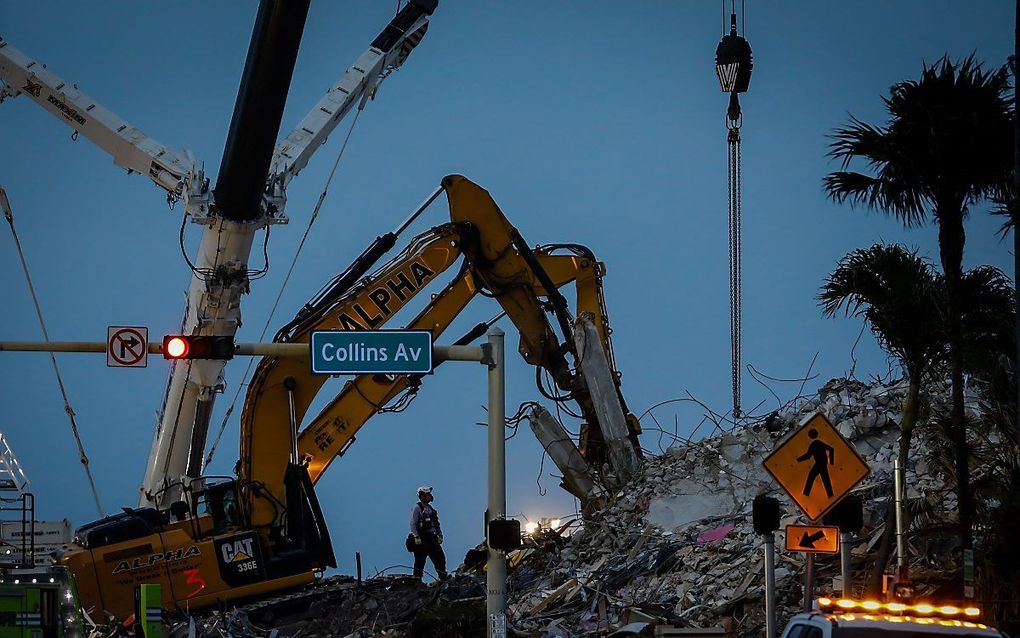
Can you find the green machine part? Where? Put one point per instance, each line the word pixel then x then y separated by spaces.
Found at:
pixel 39 604
pixel 148 611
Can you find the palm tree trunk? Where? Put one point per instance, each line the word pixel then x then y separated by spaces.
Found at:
pixel 907 423
pixel 951 241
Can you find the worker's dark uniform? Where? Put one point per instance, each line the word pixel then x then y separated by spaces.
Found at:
pixel 425 525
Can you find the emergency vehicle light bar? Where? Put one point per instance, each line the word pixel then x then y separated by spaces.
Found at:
pixel 924 609
pixel 943 622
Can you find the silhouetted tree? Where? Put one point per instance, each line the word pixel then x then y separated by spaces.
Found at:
pixel 898 294
pixel 946 146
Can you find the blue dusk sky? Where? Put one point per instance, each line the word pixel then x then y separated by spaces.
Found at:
pixel 595 122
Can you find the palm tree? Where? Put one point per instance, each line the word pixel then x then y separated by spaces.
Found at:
pixel 903 298
pixel 900 296
pixel 947 145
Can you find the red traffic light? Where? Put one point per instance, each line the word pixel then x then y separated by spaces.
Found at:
pixel 175 347
pixel 198 347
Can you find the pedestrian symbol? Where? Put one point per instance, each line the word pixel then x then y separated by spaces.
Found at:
pixel 823 456
pixel 816 466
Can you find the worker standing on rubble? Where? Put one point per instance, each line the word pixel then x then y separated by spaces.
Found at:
pixel 426 537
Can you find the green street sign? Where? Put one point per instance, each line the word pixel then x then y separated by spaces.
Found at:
pixel 371 352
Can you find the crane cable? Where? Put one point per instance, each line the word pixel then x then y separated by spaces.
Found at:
pixel 283 286
pixel 9 215
pixel 733 66
pixel 734 205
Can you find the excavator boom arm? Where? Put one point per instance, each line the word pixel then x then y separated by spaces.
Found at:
pixel 498 263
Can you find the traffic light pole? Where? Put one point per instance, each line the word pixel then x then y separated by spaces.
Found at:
pixel 495 579
pixel 770 585
pixel 844 564
pixel 809 582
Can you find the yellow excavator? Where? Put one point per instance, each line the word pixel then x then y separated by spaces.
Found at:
pixel 263 531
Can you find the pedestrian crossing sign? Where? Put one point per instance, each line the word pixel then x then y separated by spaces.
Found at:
pixel 816 466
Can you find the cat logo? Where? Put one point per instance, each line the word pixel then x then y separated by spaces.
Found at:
pixel 240 559
pixel 238 551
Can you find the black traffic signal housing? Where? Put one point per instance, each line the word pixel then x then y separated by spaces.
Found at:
pixel 198 347
pixel 504 534
pixel 765 514
pixel 847 515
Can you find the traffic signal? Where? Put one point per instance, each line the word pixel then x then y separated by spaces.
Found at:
pixel 198 347
pixel 504 534
pixel 765 514
pixel 847 515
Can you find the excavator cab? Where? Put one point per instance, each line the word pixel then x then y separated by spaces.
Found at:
pixel 219 502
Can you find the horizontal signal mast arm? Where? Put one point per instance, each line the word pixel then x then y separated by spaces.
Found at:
pixel 286 350
pixel 387 52
pixel 130 148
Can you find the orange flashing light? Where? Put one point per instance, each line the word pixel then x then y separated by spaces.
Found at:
pixel 920 609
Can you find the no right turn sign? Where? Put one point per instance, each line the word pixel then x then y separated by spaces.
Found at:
pixel 127 346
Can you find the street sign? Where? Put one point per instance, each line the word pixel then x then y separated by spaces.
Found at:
pixel 812 539
pixel 816 466
pixel 127 346
pixel 371 352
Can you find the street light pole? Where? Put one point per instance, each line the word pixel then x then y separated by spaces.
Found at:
pixel 770 585
pixel 495 600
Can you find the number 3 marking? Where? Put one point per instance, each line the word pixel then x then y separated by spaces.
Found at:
pixel 194 579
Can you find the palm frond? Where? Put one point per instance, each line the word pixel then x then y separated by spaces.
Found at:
pixel 896 292
pixel 947 144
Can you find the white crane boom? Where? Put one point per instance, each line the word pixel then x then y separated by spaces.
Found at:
pixel 130 148
pixel 357 85
pixel 220 268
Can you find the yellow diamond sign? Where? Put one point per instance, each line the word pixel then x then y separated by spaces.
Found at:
pixel 816 466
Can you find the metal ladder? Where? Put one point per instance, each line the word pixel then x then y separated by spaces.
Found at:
pixel 17 511
pixel 12 476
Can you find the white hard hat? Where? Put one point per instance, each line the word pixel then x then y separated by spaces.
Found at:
pixel 425 489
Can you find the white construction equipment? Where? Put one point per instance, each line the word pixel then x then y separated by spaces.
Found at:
pixel 220 269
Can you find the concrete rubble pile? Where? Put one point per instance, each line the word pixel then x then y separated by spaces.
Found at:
pixel 676 547
pixel 340 606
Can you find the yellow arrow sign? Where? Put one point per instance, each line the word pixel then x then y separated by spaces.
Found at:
pixel 812 539
pixel 816 466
